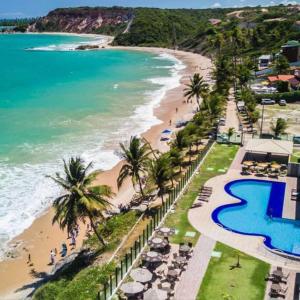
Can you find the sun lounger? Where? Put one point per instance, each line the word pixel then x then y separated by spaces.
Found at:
pixel 203 199
pixel 195 205
pixel 208 188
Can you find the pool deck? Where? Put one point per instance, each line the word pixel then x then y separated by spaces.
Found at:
pixel 200 217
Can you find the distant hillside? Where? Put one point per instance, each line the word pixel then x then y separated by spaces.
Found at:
pixel 264 29
pixel 85 20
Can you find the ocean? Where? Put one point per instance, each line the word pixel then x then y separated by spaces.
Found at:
pixel 56 102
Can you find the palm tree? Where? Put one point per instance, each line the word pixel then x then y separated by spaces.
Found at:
pixel 180 141
pixel 279 127
pixel 230 133
pixel 80 200
pixel 196 88
pixel 136 157
pixel 159 174
pixel 176 158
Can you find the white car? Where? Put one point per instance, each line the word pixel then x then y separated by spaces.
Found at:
pixel 282 102
pixel 267 102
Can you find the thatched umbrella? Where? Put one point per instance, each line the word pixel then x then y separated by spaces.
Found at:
pixel 141 275
pixel 157 243
pixel 155 294
pixel 132 288
pixel 166 231
pixel 152 256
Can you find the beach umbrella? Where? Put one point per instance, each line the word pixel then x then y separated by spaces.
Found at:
pixel 248 163
pixel 152 256
pixel 167 131
pixel 155 294
pixel 165 231
pixel 132 288
pixel 157 242
pixel 141 208
pixel 141 275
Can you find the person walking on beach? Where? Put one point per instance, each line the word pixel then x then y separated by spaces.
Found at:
pixel 176 109
pixel 29 259
pixel 52 257
pixel 170 123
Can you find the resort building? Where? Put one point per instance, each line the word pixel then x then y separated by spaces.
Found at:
pixel 215 22
pixel 291 50
pixel 291 79
pixel 264 61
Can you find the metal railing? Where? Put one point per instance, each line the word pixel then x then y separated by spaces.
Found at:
pixel 126 263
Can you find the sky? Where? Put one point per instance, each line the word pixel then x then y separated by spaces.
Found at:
pixel 34 8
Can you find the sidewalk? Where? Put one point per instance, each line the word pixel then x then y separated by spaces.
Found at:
pixel 188 287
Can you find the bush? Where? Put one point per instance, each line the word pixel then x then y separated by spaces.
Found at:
pixel 290 97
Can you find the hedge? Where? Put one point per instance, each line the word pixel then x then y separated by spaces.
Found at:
pixel 289 96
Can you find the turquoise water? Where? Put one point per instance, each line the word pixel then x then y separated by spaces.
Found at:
pixel 55 103
pixel 251 217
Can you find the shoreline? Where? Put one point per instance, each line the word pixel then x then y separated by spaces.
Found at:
pixel 41 236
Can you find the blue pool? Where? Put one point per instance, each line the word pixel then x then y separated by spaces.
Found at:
pixel 259 213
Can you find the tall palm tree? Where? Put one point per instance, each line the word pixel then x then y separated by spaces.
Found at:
pixel 180 141
pixel 159 174
pixel 230 133
pixel 279 127
pixel 80 200
pixel 136 156
pixel 196 88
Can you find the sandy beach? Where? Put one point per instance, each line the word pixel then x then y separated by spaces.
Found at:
pixel 17 277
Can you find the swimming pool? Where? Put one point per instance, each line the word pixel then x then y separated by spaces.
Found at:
pixel 259 213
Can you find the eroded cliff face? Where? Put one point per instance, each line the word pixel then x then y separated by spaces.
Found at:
pixel 84 20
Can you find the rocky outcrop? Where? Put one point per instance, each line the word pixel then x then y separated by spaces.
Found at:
pixel 84 20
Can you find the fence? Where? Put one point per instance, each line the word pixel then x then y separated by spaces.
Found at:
pixel 126 263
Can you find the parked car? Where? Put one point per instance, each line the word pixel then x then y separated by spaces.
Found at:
pixel 267 101
pixel 282 102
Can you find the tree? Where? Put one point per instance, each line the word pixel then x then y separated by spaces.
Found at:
pixel 175 158
pixel 81 200
pixel 180 141
pixel 281 65
pixel 279 127
pixel 136 157
pixel 196 88
pixel 159 174
pixel 282 86
pixel 243 74
pixel 230 133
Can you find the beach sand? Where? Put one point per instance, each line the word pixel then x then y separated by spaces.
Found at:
pixel 17 278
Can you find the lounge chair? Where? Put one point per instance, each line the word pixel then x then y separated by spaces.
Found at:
pixel 203 199
pixel 195 205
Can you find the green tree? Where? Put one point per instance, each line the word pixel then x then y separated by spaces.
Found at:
pixel 230 133
pixel 283 86
pixel 243 75
pixel 281 65
pixel 180 141
pixel 81 199
pixel 176 158
pixel 136 157
pixel 159 174
pixel 196 88
pixel 279 127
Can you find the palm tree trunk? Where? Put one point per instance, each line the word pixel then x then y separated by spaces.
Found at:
pixel 198 102
pixel 141 186
pixel 101 240
pixel 162 199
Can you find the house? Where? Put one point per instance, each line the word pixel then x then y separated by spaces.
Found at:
pixel 264 61
pixel 291 50
pixel 215 22
pixel 291 79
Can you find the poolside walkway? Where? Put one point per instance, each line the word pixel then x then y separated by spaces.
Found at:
pixel 191 280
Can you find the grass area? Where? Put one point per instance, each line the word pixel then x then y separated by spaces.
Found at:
pixel 295 158
pixel 81 281
pixel 223 282
pixel 216 163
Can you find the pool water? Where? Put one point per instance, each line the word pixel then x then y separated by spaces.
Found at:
pixel 253 214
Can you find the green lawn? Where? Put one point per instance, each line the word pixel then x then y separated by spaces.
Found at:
pixel 295 158
pixel 222 282
pixel 215 164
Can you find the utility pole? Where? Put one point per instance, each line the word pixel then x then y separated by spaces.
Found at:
pixel 262 120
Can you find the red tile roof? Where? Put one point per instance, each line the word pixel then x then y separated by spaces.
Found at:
pixel 281 78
